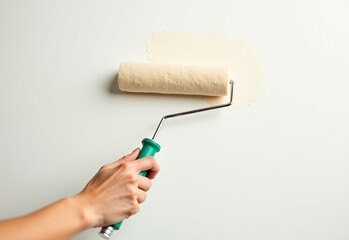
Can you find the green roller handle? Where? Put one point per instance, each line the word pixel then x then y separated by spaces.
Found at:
pixel 150 148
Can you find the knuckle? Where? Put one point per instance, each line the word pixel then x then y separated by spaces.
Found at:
pixel 131 191
pixel 131 178
pixel 154 163
pixel 152 160
pixel 134 207
pixel 125 166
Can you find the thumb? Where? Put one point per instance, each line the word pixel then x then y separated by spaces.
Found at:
pixel 129 157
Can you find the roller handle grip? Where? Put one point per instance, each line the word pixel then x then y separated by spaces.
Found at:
pixel 150 148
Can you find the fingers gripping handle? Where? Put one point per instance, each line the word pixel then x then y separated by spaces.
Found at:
pixel 150 148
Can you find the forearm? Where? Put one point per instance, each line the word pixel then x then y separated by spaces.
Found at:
pixel 58 221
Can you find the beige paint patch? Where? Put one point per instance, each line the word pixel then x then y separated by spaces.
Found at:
pixel 215 49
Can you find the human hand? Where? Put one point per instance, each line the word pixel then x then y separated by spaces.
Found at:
pixel 116 191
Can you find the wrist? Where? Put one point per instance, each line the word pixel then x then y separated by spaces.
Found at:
pixel 83 210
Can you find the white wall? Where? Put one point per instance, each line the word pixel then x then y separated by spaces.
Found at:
pixel 276 170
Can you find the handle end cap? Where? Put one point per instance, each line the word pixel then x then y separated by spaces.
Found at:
pixel 106 232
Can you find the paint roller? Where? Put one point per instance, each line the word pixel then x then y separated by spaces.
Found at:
pixel 170 79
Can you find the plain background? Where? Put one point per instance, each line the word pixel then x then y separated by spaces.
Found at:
pixel 275 170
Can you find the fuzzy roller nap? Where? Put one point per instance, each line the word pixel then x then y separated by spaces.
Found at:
pixel 173 79
pixel 170 79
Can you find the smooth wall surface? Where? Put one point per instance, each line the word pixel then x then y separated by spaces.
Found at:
pixel 276 170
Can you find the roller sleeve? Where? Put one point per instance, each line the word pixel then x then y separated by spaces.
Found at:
pixel 173 79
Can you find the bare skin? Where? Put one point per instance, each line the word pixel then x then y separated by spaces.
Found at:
pixel 112 195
